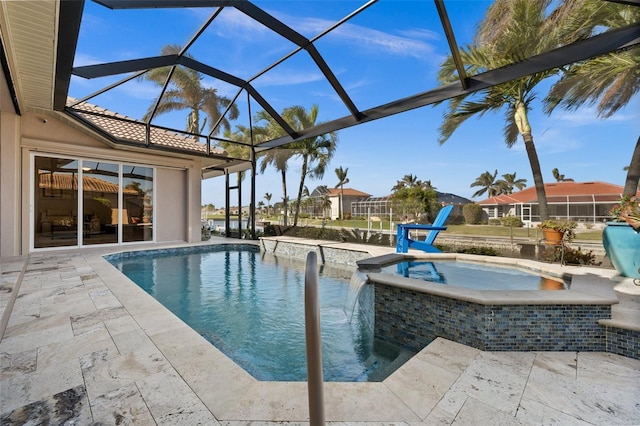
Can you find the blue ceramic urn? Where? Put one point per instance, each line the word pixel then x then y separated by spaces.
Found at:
pixel 622 244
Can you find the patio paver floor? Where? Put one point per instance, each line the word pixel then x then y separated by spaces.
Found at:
pixel 84 345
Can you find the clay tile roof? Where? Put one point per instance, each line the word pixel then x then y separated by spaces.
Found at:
pixel 131 130
pixel 348 191
pixel 66 182
pixel 559 192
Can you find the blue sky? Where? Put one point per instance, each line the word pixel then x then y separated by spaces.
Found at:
pixel 390 50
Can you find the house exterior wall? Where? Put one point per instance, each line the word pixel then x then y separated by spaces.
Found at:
pixel 335 207
pixel 177 180
pixel 170 205
pixel 9 184
pixel 347 200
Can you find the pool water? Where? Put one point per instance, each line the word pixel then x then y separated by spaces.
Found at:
pixel 476 276
pixel 250 305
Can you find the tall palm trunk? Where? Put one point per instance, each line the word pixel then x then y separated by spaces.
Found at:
pixel 633 173
pixel 305 165
pixel 285 204
pixel 537 176
pixel 521 120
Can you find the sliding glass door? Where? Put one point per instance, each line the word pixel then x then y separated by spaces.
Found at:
pixel 137 203
pixel 84 202
pixel 55 202
pixel 100 202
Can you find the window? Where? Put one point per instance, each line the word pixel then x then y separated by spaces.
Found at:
pixel 83 202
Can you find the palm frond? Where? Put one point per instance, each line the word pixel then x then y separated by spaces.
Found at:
pixel 510 130
pixel 610 81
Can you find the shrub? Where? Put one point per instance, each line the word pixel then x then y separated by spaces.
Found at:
pixel 495 221
pixel 484 251
pixel 571 256
pixel 511 221
pixel 472 213
pixel 456 220
pixel 205 233
pixel 579 257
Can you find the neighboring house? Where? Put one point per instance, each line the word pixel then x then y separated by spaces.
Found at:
pixel 349 197
pixel 587 202
pixel 381 206
pixel 458 202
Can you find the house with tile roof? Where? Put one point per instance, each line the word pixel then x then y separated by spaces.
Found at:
pixel 584 202
pixel 349 196
pixel 92 177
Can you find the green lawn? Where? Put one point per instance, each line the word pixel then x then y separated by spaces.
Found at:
pixel 477 230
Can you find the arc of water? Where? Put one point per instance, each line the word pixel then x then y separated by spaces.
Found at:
pixel 357 282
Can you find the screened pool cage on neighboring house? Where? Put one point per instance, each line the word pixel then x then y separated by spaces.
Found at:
pixel 588 209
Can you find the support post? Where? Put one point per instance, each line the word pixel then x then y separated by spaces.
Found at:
pixel 314 343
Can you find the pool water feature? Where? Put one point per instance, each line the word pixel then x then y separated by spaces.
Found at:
pixel 477 276
pixel 356 285
pixel 250 305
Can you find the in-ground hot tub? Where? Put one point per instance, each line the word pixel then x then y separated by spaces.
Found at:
pixel 476 275
pixel 413 312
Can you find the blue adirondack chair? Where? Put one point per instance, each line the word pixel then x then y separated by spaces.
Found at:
pixel 404 241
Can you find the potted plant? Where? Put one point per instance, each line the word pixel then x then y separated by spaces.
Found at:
pixel 555 231
pixel 621 237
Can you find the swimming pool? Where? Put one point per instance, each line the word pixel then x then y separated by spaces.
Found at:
pixel 250 305
pixel 477 276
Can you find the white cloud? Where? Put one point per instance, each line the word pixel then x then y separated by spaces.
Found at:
pixel 233 24
pixel 588 116
pixel 287 78
pixel 554 141
pixel 382 42
pixel 81 60
pixel 140 90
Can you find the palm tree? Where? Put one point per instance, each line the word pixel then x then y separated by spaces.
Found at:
pixel 487 182
pixel 267 196
pixel 511 30
pixel 325 204
pixel 408 181
pixel 427 185
pixel 632 182
pixel 342 181
pixel 509 182
pixel 609 81
pixel 187 92
pixel 316 152
pixel 277 157
pixel 560 177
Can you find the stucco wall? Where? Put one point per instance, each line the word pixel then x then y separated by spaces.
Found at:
pixel 171 205
pixel 177 179
pixel 9 184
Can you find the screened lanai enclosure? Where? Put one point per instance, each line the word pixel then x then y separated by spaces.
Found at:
pixel 218 74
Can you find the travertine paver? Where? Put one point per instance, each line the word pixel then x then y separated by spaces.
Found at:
pixel 83 344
